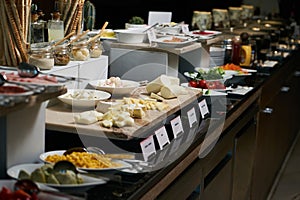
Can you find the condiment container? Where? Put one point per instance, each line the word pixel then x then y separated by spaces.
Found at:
pixel 80 50
pixel 41 55
pixel 236 50
pixel 227 44
pixel 96 49
pixel 246 50
pixel 61 54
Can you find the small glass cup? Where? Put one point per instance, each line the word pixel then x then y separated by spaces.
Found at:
pixel 41 55
pixel 96 49
pixel 61 54
pixel 80 50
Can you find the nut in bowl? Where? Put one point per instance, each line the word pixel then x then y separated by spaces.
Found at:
pixel 83 97
pixel 115 85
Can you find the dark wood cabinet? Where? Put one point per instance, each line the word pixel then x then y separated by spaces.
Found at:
pixel 244 149
pixel 277 127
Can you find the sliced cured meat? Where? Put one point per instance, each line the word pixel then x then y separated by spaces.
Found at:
pixel 11 90
pixel 40 79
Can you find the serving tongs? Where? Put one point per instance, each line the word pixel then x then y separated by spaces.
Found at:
pixel 27 70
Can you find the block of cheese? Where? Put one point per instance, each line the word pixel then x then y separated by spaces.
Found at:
pixel 172 91
pixel 88 117
pixel 104 106
pixel 163 80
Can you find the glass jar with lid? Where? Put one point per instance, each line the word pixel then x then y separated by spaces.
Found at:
pixel 80 50
pixel 61 54
pixel 96 49
pixel 40 55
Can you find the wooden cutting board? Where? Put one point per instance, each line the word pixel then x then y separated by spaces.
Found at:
pixel 59 117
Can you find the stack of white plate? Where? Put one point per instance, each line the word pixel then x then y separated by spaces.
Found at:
pixel 217 55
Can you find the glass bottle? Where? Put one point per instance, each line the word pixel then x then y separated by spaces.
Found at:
pixel 37 29
pixel 227 44
pixel 236 50
pixel 41 55
pixel 55 27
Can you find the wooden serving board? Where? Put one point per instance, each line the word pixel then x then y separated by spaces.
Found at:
pixel 59 117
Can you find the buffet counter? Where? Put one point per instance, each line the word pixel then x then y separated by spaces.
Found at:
pixel 227 143
pixel 224 151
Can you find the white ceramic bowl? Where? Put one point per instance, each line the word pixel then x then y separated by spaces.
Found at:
pixel 170 29
pixel 83 97
pixel 127 86
pixel 130 35
pixel 142 26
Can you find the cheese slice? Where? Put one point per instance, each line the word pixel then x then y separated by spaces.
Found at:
pixel 156 96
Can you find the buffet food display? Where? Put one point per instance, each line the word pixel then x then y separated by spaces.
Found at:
pixel 127 115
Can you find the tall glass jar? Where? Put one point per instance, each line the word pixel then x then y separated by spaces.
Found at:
pixel 96 49
pixel 80 50
pixel 227 44
pixel 61 54
pixel 41 55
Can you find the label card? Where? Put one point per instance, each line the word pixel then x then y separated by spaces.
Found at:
pixel 162 137
pixel 151 35
pixel 192 117
pixel 148 147
pixel 177 128
pixel 203 108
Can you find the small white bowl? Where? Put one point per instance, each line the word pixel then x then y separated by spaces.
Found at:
pixel 130 35
pixel 128 26
pixel 127 86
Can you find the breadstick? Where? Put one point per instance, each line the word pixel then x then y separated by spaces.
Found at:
pixel 71 16
pixel 19 40
pixel 80 16
pixel 66 10
pixel 7 59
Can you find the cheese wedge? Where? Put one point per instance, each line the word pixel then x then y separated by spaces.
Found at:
pixel 172 91
pixel 161 81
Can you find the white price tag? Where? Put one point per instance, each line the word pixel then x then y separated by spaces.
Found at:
pixel 148 147
pixel 151 35
pixel 177 128
pixel 162 137
pixel 203 108
pixel 185 28
pixel 192 117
